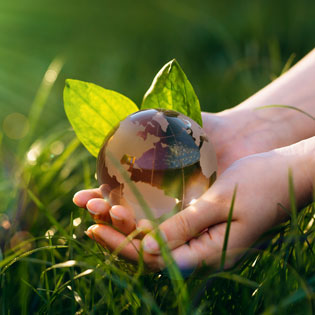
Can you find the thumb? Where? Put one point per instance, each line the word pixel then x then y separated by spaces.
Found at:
pixel 188 223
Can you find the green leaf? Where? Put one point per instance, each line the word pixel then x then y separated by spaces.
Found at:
pixel 171 89
pixel 227 230
pixel 94 111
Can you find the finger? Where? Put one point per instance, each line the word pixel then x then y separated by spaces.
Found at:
pixel 105 190
pixel 122 219
pixel 110 238
pixel 207 248
pixel 83 196
pixel 186 224
pixel 145 226
pixel 99 209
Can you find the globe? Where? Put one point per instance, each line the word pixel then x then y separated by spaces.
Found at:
pixel 161 155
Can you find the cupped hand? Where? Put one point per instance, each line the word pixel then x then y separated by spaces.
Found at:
pixel 196 234
pixel 113 225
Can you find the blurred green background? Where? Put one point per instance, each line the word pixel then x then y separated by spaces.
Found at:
pixel 229 50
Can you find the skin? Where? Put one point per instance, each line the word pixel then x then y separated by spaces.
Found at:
pixel 255 150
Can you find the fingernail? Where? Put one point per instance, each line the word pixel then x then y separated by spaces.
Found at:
pixel 92 212
pixel 74 197
pixel 114 216
pixel 89 231
pixel 150 245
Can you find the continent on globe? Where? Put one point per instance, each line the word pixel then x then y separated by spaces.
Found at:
pixel 166 155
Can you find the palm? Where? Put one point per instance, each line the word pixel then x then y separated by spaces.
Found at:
pixel 207 246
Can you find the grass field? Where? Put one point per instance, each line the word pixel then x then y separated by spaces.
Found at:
pixel 229 51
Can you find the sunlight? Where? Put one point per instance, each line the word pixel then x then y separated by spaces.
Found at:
pixel 33 154
pixel 77 221
pixel 192 201
pixel 309 225
pixel 57 147
pixel 254 263
pixel 69 263
pixel 16 126
pixel 50 75
pixel 4 222
pixel 50 233
pixel 53 71
pixel 255 292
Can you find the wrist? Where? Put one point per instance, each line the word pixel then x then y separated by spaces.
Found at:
pixel 270 128
pixel 300 158
pixel 236 133
pixel 277 127
pixel 257 129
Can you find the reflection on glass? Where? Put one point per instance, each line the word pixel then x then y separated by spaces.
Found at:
pixel 167 156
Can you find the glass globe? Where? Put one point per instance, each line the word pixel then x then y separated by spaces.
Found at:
pixel 162 154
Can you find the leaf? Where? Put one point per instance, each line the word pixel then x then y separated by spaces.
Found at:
pixel 94 111
pixel 171 90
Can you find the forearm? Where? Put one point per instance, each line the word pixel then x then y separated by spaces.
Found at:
pixel 282 126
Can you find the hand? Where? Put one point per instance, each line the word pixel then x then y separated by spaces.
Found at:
pixel 234 133
pixel 196 234
pixel 244 130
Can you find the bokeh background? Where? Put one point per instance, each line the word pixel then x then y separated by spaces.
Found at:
pixel 228 49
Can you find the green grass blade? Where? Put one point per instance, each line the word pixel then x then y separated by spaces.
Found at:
pixel 227 231
pixel 18 258
pixel 40 100
pixel 294 221
pixel 33 289
pixel 287 107
pixel 175 274
pixel 59 163
pixel 288 64
pixel 47 213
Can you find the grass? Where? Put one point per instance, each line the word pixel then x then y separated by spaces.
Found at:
pixel 57 269
pixel 64 272
pixel 47 264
